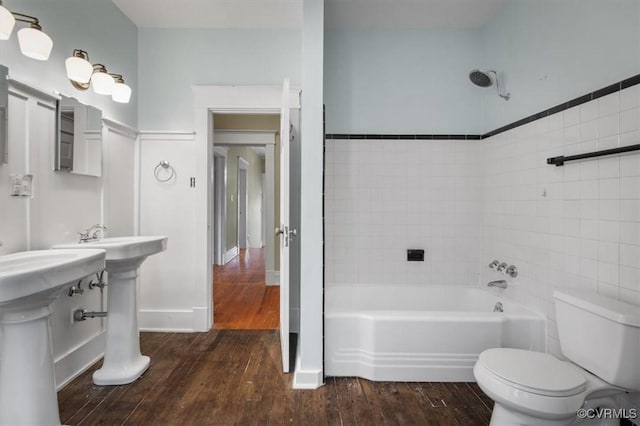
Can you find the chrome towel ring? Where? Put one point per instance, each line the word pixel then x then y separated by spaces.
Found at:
pixel 164 165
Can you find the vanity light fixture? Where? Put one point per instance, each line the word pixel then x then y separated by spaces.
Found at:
pixel 79 69
pixel 7 21
pixel 102 82
pixel 33 42
pixel 83 74
pixel 121 92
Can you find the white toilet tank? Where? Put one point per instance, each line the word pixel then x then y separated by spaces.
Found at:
pixel 600 334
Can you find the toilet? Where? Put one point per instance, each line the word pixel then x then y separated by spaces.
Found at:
pixel 599 336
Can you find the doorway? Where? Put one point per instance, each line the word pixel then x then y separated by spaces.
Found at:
pixel 285 100
pixel 245 295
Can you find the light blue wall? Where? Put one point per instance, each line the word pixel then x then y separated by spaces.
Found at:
pixel 416 81
pixel 96 26
pixel 171 61
pixel 552 51
pixel 401 81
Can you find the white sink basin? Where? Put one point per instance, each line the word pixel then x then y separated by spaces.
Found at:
pixel 29 283
pixel 123 248
pixel 123 362
pixel 44 271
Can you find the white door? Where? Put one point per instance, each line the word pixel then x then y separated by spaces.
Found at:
pixel 284 231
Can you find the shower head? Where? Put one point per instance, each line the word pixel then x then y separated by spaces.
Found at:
pixel 484 78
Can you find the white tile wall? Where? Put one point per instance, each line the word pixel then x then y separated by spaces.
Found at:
pixel 571 226
pixel 467 203
pixel 386 196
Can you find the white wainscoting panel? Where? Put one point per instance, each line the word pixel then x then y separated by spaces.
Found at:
pixel 168 279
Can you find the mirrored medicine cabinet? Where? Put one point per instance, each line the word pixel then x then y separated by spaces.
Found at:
pixel 79 138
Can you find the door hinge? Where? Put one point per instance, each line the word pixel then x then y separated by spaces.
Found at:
pixel 192 182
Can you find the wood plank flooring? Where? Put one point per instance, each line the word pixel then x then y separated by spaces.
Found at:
pixel 232 377
pixel 241 298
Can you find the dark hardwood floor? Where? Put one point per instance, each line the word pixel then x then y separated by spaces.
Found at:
pixel 233 377
pixel 241 298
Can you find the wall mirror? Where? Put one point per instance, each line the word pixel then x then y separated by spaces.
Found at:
pixel 79 139
pixel 4 114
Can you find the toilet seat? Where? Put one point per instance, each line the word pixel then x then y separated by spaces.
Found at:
pixel 543 374
pixel 532 390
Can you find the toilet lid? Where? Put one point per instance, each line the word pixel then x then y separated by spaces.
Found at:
pixel 534 372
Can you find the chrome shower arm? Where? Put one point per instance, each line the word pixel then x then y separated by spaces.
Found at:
pixel 506 96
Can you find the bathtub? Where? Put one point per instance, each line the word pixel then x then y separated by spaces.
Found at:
pixel 420 333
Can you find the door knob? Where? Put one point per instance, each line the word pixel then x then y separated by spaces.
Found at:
pixel 279 231
pixel 293 232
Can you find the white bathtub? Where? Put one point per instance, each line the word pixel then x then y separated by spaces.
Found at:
pixel 420 333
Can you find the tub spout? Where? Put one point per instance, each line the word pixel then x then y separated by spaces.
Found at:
pixel 499 284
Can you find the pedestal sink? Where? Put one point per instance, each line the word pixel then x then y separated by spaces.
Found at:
pixel 123 362
pixel 29 283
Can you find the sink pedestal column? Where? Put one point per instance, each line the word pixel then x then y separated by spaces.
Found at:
pixel 123 362
pixel 27 379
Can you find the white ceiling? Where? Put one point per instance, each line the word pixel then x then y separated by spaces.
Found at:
pixel 288 13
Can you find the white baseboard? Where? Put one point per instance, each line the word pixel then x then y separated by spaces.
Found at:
pixel 200 322
pixel 230 254
pixel 294 320
pixel 273 278
pixel 306 379
pixel 78 360
pixel 174 320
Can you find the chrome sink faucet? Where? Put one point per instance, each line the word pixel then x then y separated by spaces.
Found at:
pixel 499 284
pixel 91 233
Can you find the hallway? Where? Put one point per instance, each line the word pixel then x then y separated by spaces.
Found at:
pixel 242 301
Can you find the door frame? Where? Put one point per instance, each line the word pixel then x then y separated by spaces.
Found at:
pixel 263 210
pixel 208 100
pixel 242 193
pixel 220 205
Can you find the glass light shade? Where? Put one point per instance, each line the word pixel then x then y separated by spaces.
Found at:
pixel 78 69
pixel 35 44
pixel 7 21
pixel 121 93
pixel 103 83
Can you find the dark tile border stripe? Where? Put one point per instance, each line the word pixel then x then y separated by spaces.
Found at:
pixel 616 87
pixel 630 81
pixel 360 136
